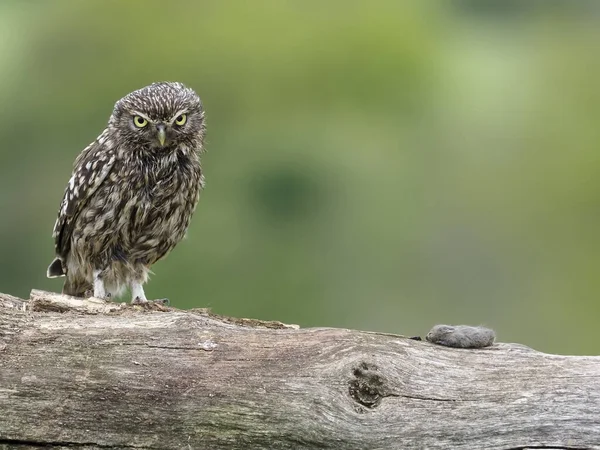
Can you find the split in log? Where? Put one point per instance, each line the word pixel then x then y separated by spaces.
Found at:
pixel 91 374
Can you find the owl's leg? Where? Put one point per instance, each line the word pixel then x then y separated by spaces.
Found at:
pixel 99 289
pixel 137 293
pixel 138 297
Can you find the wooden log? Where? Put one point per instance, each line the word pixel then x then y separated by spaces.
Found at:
pixel 89 374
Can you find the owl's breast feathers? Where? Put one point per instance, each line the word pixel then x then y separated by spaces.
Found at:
pixel 157 209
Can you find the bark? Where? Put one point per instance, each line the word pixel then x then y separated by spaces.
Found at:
pixel 89 374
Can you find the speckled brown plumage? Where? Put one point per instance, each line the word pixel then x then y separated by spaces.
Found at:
pixel 132 193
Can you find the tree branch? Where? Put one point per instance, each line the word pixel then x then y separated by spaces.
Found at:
pixel 90 374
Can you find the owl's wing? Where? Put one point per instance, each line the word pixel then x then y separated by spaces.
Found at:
pixel 90 169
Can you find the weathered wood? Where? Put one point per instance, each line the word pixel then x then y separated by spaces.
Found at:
pixel 9 301
pixel 85 374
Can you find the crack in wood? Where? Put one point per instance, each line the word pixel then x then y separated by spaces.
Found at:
pixel 16 443
pixel 368 387
pixel 545 447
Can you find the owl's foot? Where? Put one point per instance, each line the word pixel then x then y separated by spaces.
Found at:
pixel 138 301
pixel 160 301
pixel 90 293
pixel 138 297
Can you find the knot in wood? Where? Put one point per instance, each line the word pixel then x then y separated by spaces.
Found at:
pixel 368 386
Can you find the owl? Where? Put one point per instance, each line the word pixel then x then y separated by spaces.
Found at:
pixel 132 193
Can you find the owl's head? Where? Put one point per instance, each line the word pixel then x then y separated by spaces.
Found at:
pixel 161 116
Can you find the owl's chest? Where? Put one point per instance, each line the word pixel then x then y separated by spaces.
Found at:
pixel 162 205
pixel 154 193
pixel 153 184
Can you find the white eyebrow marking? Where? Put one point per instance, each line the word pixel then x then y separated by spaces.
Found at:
pixel 177 114
pixel 137 113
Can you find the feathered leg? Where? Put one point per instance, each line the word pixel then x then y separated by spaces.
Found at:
pixel 137 293
pixel 99 289
pixel 139 297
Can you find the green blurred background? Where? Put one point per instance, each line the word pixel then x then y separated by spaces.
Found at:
pixel 382 165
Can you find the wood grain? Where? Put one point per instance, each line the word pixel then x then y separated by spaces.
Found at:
pixel 87 374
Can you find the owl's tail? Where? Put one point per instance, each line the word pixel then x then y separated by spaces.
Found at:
pixel 55 269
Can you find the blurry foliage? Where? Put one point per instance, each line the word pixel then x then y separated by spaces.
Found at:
pixel 379 165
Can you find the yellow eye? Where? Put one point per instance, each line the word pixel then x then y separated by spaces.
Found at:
pixel 180 120
pixel 139 121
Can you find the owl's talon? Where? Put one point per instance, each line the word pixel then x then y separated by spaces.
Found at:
pixel 148 303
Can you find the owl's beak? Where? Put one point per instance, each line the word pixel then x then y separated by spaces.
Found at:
pixel 162 134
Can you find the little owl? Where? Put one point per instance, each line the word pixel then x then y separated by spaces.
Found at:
pixel 132 193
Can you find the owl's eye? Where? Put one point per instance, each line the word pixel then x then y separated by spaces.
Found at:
pixel 139 121
pixel 180 120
